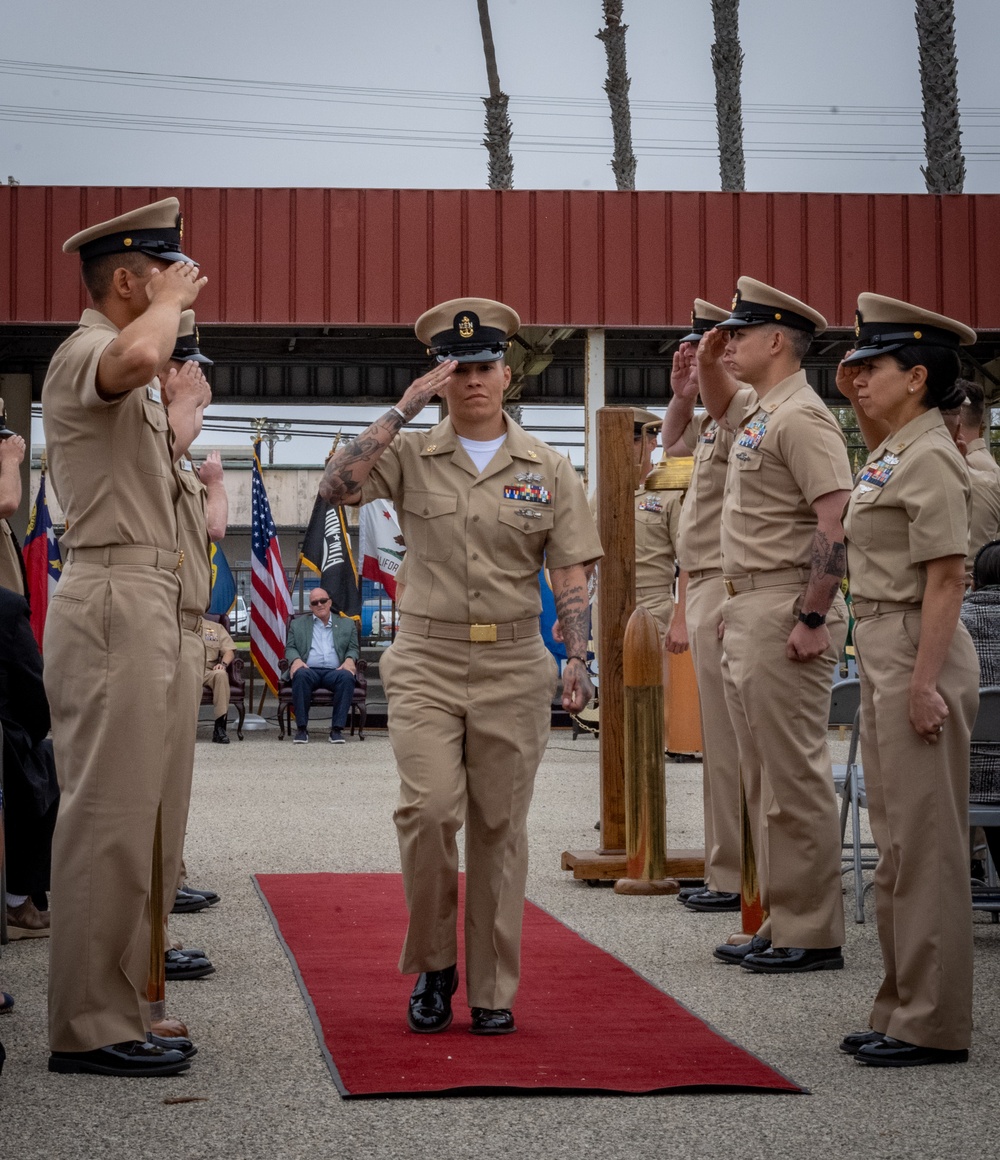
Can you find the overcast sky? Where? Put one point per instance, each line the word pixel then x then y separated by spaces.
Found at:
pixel 386 93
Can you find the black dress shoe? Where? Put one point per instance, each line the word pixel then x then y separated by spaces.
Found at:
pixel 736 955
pixel 891 1052
pixel 687 892
pixel 853 1043
pixel 710 901
pixel 177 966
pixel 127 1059
pixel 492 1021
pixel 430 1001
pixel 176 1043
pixel 793 960
pixel 210 896
pixel 187 902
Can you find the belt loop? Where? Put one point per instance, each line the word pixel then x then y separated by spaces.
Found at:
pixel 106 557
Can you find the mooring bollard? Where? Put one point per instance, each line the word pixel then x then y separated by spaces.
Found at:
pixel 645 793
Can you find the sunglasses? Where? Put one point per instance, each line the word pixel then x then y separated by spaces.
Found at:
pixel 318 603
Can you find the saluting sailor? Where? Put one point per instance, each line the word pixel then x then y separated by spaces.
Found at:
pixel 482 505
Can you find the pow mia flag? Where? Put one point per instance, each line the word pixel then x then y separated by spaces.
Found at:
pixel 326 549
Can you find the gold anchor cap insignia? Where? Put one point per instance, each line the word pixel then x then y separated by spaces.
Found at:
pixel 465 327
pixel 736 300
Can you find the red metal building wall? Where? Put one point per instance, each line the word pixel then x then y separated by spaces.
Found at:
pixel 349 257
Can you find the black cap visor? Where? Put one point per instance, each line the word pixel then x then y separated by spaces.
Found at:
pixel 464 355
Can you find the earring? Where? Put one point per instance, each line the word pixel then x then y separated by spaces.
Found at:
pixel 910 390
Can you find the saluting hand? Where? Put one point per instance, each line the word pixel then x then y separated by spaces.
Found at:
pixel 420 392
pixel 180 281
pixel 12 450
pixel 684 372
pixel 846 376
pixel 185 385
pixel 211 470
pixel 712 346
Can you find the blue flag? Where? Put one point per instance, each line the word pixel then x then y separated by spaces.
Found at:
pixel 223 584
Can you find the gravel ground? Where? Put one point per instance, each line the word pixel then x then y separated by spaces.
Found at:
pixel 260 1088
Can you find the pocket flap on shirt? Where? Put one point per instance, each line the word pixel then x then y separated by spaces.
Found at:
pixel 428 504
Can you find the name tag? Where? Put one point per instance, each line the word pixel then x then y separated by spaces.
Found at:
pixel 154 394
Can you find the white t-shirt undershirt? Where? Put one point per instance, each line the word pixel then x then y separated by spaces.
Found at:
pixel 481 452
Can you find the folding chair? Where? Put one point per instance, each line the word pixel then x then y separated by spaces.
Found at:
pixel 987 728
pixel 849 782
pixel 3 857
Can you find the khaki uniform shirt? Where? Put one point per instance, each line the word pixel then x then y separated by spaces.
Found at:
pixel 978 456
pixel 656 517
pixel 196 573
pixel 984 520
pixel 475 542
pixel 910 505
pixel 109 461
pixel 788 450
pixel 10 566
pixel 217 641
pixel 700 548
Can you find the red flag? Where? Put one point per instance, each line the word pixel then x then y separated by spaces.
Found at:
pixel 42 563
pixel 271 606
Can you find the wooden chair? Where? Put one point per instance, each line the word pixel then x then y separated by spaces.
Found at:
pixel 237 686
pixel 323 698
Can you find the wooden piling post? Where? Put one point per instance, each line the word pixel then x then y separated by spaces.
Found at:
pixel 645 792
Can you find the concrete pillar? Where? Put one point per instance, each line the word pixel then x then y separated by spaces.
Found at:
pixel 593 400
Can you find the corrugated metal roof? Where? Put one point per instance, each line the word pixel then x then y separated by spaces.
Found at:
pixel 380 257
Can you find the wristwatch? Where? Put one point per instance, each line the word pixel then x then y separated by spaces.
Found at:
pixel 812 619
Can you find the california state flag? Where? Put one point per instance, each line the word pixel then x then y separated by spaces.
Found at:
pixel 382 544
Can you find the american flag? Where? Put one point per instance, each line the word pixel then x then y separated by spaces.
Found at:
pixel 271 606
pixel 42 562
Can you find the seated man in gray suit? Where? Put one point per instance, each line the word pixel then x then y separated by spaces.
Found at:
pixel 321 652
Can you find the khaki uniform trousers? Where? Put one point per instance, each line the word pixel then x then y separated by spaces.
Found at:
pixel 721 759
pixel 660 604
pixel 112 648
pixel 918 806
pixel 779 710
pixel 468 725
pixel 182 716
pixel 218 681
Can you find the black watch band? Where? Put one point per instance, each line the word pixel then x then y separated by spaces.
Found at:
pixel 812 619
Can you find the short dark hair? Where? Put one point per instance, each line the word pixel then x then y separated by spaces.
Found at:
pixel 799 341
pixel 97 273
pixel 974 407
pixel 942 366
pixel 986 567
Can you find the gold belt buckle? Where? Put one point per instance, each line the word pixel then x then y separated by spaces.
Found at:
pixel 482 633
pixel 730 588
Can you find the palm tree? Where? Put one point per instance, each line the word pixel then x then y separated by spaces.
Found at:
pixel 498 126
pixel 945 168
pixel 617 86
pixel 727 64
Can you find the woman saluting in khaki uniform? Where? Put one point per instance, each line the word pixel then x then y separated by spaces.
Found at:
pixel 907 535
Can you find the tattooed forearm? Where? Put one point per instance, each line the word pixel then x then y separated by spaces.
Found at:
pixel 569 587
pixel 828 564
pixel 350 466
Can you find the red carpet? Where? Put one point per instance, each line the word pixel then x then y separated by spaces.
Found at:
pixel 586 1021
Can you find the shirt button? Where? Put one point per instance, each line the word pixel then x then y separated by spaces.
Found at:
pixel 475 519
pixel 475 555
pixel 475 594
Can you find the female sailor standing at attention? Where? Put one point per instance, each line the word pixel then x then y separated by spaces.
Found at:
pixel 907 534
